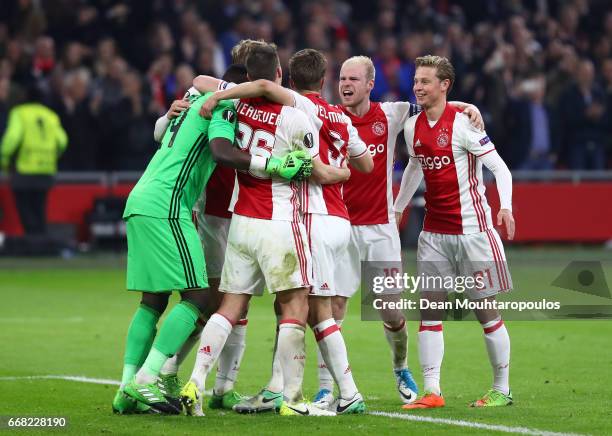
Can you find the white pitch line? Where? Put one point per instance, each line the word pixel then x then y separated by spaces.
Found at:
pixel 404 416
pixel 470 424
pixel 39 320
pixel 76 378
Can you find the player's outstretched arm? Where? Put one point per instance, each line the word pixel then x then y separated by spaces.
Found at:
pixel 411 179
pixel 503 179
pixel 206 84
pixel 296 165
pixel 472 112
pixel 258 88
pixel 328 175
pixel 224 153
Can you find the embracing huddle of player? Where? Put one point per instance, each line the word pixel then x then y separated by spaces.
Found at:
pixel 300 228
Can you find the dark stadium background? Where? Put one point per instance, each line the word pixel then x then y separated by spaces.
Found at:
pixel 110 68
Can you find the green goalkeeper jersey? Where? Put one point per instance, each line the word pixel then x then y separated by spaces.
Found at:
pixel 181 167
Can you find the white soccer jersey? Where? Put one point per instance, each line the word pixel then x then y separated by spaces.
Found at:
pixel 269 129
pixel 338 140
pixel 448 152
pixel 369 197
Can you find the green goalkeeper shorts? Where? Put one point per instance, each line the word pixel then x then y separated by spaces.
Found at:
pixel 164 255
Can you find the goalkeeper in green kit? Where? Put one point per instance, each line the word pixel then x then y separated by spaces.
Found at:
pixel 164 249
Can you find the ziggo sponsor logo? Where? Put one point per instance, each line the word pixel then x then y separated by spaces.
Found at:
pixel 374 149
pixel 433 162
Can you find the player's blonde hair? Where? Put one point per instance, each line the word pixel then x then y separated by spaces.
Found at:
pixel 240 52
pixel 444 69
pixel 367 64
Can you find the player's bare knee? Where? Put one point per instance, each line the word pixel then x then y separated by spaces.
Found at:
pixel 233 306
pixel 197 298
pixel 213 285
pixel 432 312
pixel 319 309
pixel 156 301
pixel 486 315
pixel 293 304
pixel 338 305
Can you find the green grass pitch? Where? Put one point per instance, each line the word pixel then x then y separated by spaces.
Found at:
pixel 70 318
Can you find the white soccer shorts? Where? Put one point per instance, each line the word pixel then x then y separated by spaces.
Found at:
pixel 329 237
pixel 265 253
pixel 378 243
pixel 477 255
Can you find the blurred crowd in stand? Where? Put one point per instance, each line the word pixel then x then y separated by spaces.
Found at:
pixel 540 71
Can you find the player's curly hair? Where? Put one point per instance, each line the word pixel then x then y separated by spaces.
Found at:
pixel 444 68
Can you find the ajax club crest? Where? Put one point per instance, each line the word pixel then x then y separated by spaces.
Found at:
pixel 443 138
pixel 378 128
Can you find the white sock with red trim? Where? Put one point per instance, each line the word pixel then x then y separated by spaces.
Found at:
pixel 397 337
pixel 230 358
pixel 212 340
pixel 498 347
pixel 292 356
pixel 332 347
pixel 276 379
pixel 431 352
pixel 326 380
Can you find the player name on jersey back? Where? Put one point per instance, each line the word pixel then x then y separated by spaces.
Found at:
pixel 258 115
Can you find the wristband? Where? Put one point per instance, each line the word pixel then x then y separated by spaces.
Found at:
pixel 258 163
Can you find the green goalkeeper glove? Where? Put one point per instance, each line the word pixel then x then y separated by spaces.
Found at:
pixel 296 165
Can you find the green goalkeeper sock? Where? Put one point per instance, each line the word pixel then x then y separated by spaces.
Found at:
pixel 139 339
pixel 177 327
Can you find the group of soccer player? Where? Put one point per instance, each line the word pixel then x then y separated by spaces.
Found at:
pixel 256 186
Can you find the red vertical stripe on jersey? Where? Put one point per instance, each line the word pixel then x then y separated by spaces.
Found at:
pixel 473 182
pixel 479 207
